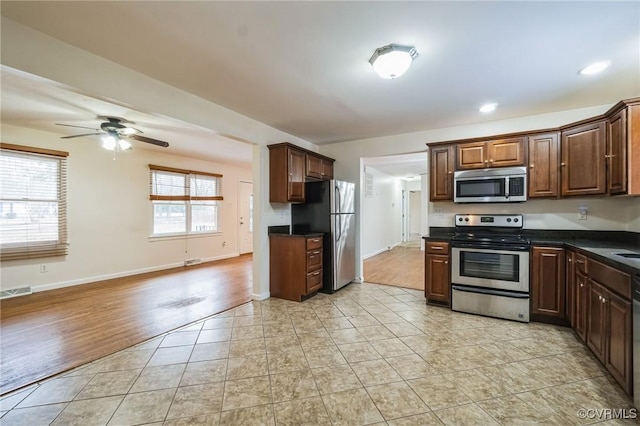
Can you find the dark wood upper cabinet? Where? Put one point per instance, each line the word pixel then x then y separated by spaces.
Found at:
pixel 495 153
pixel 314 166
pixel 290 167
pixel 583 165
pixel 548 297
pixel 441 170
pixel 617 153
pixel 544 174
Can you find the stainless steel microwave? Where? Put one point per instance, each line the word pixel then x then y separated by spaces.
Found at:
pixel 499 185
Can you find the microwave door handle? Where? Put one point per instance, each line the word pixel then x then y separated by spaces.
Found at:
pixel 506 187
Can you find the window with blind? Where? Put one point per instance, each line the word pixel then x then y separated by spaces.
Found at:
pixel 33 202
pixel 184 202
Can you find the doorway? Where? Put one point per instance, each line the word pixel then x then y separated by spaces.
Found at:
pixel 245 217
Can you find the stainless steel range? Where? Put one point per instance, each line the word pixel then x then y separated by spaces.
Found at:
pixel 490 266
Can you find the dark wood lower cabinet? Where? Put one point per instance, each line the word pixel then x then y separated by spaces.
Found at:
pixel 607 318
pixel 596 322
pixel 295 265
pixel 619 340
pixel 581 306
pixel 548 298
pixel 437 281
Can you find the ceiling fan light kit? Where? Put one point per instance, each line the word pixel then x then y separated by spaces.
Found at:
pixel 392 60
pixel 115 135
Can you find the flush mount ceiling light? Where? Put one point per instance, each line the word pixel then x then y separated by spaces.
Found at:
pixel 393 60
pixel 488 107
pixel 594 68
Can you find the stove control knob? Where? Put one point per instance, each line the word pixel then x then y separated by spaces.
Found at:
pixel 466 219
pixel 508 219
pixel 515 220
pixel 459 219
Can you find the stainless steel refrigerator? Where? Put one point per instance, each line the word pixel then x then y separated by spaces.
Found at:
pixel 329 208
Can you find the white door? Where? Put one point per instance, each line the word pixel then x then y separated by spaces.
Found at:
pixel 245 221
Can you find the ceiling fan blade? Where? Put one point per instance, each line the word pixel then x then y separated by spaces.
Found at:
pixel 79 136
pixel 148 140
pixel 79 127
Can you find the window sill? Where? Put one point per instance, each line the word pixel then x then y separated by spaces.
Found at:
pixel 153 238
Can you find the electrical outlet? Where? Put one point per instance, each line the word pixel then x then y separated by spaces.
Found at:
pixel 43 269
pixel 582 213
pixel 224 243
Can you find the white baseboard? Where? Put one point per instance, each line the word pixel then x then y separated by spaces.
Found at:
pixel 261 296
pixel 96 278
pixel 382 250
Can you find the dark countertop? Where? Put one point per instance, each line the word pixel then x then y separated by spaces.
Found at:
pixel 600 245
pixel 284 231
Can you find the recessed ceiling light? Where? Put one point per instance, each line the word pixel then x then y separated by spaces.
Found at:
pixel 488 107
pixel 594 68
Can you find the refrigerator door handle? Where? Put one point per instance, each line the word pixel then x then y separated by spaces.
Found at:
pixel 338 200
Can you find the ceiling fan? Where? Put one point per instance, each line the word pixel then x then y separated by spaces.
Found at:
pixel 115 135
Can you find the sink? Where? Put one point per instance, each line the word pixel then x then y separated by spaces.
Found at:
pixel 629 255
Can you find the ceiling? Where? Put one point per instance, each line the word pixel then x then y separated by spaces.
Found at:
pixel 302 67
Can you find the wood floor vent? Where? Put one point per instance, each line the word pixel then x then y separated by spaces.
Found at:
pixel 190 262
pixel 15 292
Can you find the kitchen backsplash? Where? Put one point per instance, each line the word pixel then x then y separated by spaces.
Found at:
pixel 612 214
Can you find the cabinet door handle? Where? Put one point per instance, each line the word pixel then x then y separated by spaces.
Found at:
pixel 486 161
pixel 604 300
pixel 491 161
pixel 316 252
pixel 446 262
pixel 570 260
pixel 450 172
pixel 609 156
pixel 311 257
pixel 437 248
pixel 563 164
pixel 315 240
pixel 581 285
pixel 531 166
pixel 316 273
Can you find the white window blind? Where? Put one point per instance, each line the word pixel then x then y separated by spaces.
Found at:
pixel 33 202
pixel 184 201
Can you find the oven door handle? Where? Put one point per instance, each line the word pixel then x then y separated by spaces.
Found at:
pixel 469 289
pixel 491 246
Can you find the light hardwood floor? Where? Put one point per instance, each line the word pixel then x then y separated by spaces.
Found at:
pixel 50 332
pixel 400 267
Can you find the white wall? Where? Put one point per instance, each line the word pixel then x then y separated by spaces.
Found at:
pixel 382 214
pixel 414 212
pixel 110 216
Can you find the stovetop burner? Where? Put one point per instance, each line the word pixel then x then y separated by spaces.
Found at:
pixel 489 229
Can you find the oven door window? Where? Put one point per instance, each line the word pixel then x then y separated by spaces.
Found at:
pixel 481 188
pixel 493 266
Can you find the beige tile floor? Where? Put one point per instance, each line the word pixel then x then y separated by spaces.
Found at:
pixel 369 354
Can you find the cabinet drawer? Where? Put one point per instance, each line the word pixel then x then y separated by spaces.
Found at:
pixel 314 243
pixel 314 260
pixel 314 281
pixel 581 263
pixel 611 278
pixel 437 247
